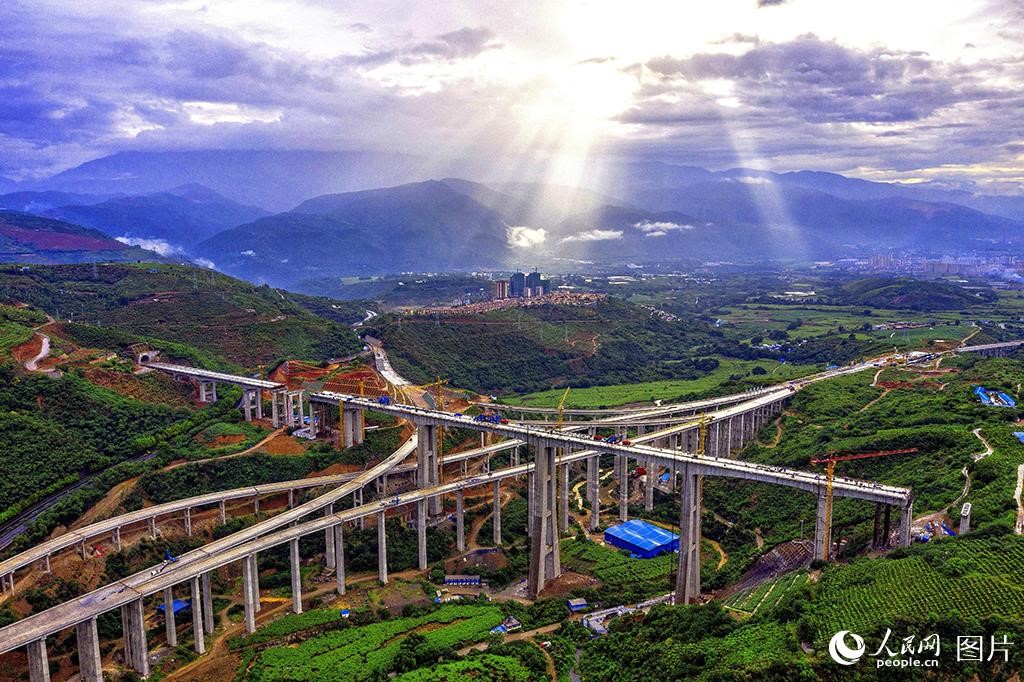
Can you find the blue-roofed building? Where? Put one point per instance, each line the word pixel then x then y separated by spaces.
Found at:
pixel 643 539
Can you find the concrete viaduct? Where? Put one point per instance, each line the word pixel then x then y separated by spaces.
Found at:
pixel 991 350
pixel 286 406
pixel 554 452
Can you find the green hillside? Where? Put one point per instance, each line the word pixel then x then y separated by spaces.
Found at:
pixel 114 305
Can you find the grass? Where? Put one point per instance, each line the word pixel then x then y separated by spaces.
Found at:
pixel 671 389
pixel 13 334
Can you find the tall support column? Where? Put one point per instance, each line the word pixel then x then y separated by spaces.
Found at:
pixel 594 491
pixel 728 437
pixel 652 480
pixel 421 533
pixel 426 461
pixel 906 518
pixel 289 410
pixel 250 592
pixel 90 665
pixel 296 568
pixel 275 417
pixel 544 559
pixel 688 574
pixel 135 653
pixel 347 428
pixel 622 464
pixel 876 537
pixel 188 522
pixel 197 616
pixel 259 403
pixel 202 391
pixel 208 624
pixel 822 528
pixel 329 558
pixel 496 516
pixel 460 521
pixel 223 513
pixel 563 510
pixel 247 403
pixel 382 549
pixel 339 558
pixel 38 664
pixel 170 627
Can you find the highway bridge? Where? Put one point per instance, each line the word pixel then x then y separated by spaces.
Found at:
pixel 992 350
pixel 670 446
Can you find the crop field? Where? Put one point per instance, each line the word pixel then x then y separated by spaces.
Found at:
pixel 614 569
pixel 13 334
pixel 972 577
pixel 767 595
pixel 669 389
pixel 485 667
pixel 368 652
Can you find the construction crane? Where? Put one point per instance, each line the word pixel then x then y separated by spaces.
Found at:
pixel 829 461
pixel 561 405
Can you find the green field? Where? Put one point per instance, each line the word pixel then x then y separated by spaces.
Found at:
pixel 767 595
pixel 369 652
pixel 974 578
pixel 668 390
pixel 13 334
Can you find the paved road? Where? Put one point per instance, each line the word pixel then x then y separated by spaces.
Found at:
pixel 33 364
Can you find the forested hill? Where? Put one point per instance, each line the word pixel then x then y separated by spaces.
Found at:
pixel 228 321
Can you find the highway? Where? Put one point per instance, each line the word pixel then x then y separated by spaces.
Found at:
pixel 221 377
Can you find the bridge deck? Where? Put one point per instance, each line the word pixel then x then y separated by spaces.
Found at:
pixel 221 377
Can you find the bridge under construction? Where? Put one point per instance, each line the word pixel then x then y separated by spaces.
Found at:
pixel 667 438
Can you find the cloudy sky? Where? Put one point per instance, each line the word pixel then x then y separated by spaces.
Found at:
pixel 912 90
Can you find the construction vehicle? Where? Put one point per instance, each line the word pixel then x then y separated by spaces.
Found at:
pixel 829 461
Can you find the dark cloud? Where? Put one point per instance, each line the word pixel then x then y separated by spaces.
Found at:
pixel 770 3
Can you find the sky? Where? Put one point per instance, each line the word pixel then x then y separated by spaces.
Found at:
pixel 908 90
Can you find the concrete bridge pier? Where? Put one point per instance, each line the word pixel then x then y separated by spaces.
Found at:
pixel 563 510
pixel 531 503
pixel 421 533
pixel 427 472
pixel 496 516
pixel 906 518
pixel 652 480
pixel 688 573
pixel 207 594
pixel 38 664
pixel 622 467
pixel 329 539
pixel 250 591
pixel 460 520
pixel 197 616
pixel 207 391
pixel 339 558
pixel 136 656
pixel 90 665
pixel 296 574
pixel 594 491
pixel 544 556
pixel 382 549
pixel 822 524
pixel 170 628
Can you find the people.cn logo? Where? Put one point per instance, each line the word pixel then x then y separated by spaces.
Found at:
pixel 842 654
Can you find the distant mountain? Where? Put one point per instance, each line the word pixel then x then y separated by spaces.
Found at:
pixel 180 217
pixel 421 226
pixel 271 179
pixel 40 202
pixel 26 238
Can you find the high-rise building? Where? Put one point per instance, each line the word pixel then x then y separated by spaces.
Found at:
pixel 499 289
pixel 533 281
pixel 517 285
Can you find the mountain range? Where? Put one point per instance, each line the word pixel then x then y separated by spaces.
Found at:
pixel 651 212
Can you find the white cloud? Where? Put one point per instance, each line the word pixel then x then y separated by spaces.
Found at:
pixel 205 263
pixel 525 237
pixel 753 180
pixel 660 228
pixel 248 252
pixel 159 246
pixel 594 236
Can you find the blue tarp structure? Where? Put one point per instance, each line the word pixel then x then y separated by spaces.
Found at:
pixel 1020 435
pixel 1000 400
pixel 641 538
pixel 179 606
